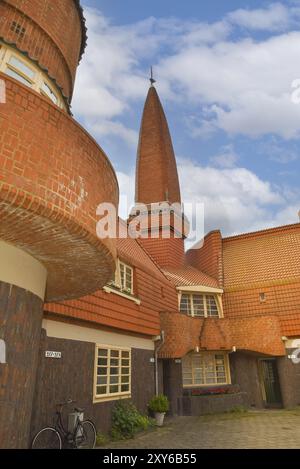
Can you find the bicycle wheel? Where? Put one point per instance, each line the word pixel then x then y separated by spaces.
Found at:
pixel 86 435
pixel 47 438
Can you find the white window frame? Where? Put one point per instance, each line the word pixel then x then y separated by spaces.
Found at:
pixel 35 83
pixel 117 395
pixel 117 282
pixel 204 295
pixel 214 384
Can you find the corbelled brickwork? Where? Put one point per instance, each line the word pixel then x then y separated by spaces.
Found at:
pixel 53 176
pixel 49 31
pixel 259 334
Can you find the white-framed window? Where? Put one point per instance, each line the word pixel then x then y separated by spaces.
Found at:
pixel 123 278
pixel 15 65
pixel 205 369
pixel 112 372
pixel 199 305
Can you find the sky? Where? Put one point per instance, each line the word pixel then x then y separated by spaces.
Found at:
pixel 227 76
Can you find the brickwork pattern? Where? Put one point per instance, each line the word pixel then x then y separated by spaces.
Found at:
pixel 53 176
pixel 208 257
pixel 156 177
pixel 260 334
pixel 53 35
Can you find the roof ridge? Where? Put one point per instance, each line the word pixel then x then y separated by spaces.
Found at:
pixel 263 231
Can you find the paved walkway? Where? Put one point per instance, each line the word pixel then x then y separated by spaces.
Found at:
pixel 254 429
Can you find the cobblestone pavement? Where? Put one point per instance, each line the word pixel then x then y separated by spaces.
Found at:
pixel 253 429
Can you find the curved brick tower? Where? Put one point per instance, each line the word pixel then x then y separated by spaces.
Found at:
pixel 53 176
pixel 157 182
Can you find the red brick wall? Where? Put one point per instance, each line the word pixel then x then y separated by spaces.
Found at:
pixel 208 258
pixel 53 35
pixel 53 176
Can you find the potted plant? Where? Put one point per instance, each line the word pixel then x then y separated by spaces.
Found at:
pixel 159 405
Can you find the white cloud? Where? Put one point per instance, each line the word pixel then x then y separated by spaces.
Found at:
pixel 226 158
pixel 276 17
pixel 235 200
pixel 244 86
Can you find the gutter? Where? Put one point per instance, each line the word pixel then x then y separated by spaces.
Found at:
pixel 160 338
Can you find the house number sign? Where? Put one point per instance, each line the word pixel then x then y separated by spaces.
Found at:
pixel 49 354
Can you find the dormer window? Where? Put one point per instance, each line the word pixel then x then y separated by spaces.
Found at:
pixel 199 305
pixel 123 278
pixel 126 278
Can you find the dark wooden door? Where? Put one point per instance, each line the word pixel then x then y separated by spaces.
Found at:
pixel 271 383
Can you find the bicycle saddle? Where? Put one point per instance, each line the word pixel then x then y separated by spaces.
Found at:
pixel 77 409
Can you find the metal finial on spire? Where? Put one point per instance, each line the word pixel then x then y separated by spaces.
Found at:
pixel 152 81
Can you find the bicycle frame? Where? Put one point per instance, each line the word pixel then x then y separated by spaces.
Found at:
pixel 66 436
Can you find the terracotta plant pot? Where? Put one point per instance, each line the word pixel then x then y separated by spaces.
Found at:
pixel 159 417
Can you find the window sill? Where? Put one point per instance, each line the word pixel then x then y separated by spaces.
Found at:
pixel 123 294
pixel 98 400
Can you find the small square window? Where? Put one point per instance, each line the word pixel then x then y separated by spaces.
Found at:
pixel 262 297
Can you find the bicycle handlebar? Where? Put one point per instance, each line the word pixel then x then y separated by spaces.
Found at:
pixel 68 402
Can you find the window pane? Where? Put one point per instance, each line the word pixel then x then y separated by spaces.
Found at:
pixel 185 304
pixel 125 379
pixel 125 362
pixel 114 362
pixel 113 389
pixel 114 371
pixel 101 389
pixel 102 380
pixel 114 353
pixel 102 371
pixel 102 352
pixel 47 90
pixel 198 303
pixel 114 379
pixel 212 309
pixel 102 361
pixel 19 65
pixel 125 354
pixel 18 77
pixel 125 388
pixel 125 371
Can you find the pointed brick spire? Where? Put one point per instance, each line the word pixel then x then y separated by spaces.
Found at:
pixel 156 177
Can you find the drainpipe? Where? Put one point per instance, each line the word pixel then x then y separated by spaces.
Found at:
pixel 160 338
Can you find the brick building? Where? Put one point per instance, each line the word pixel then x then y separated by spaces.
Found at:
pixel 212 328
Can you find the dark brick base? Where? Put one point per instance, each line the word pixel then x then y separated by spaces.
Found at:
pixel 72 377
pixel 20 328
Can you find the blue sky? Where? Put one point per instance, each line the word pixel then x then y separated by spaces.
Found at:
pixel 224 73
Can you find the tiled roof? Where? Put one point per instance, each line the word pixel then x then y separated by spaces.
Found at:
pixel 262 257
pixel 189 276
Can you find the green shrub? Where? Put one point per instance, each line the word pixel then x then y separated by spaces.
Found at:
pixel 238 409
pixel 101 439
pixel 159 403
pixel 127 421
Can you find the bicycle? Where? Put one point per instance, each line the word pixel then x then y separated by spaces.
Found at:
pixel 82 437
